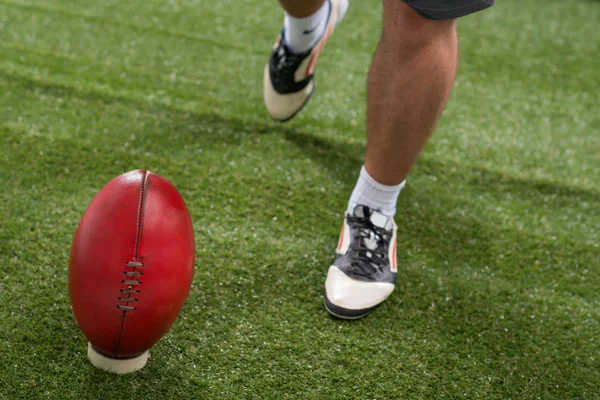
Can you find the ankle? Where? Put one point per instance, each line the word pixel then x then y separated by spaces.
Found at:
pixel 302 34
pixel 376 196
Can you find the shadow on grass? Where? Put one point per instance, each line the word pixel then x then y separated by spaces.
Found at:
pixel 348 159
pixel 211 130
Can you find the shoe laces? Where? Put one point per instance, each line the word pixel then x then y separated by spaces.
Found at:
pixel 371 253
pixel 285 58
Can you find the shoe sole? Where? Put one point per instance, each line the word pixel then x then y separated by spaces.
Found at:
pixel 298 110
pixel 344 313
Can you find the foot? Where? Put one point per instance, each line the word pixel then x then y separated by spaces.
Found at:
pixel 364 270
pixel 289 78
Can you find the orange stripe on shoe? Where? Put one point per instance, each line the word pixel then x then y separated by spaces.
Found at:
pixel 394 259
pixel 317 52
pixel 341 237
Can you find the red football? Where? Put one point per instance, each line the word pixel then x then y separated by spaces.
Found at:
pixel 132 264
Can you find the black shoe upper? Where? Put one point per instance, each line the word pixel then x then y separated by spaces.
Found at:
pixel 367 257
pixel 282 68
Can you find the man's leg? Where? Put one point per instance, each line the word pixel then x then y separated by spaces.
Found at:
pixel 408 85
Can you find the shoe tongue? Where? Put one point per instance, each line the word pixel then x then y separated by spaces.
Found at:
pixel 377 218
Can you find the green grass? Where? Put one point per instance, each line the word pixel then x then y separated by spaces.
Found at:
pixel 498 290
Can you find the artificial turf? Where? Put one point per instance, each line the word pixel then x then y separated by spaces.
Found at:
pixel 498 287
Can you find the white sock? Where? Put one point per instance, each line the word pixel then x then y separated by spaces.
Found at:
pixel 301 34
pixel 368 192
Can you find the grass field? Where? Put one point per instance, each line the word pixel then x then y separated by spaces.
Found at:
pixel 498 292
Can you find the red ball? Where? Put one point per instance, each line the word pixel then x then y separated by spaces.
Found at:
pixel 131 264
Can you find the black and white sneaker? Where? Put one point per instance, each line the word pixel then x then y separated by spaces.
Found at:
pixel 289 77
pixel 363 273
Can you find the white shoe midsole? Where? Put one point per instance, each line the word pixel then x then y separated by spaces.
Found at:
pixel 352 294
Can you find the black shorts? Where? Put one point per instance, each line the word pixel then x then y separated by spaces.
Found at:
pixel 448 9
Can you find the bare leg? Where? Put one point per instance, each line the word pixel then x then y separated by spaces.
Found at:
pixel 301 8
pixel 408 84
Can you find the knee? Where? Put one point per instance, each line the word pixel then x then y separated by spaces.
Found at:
pixel 408 29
